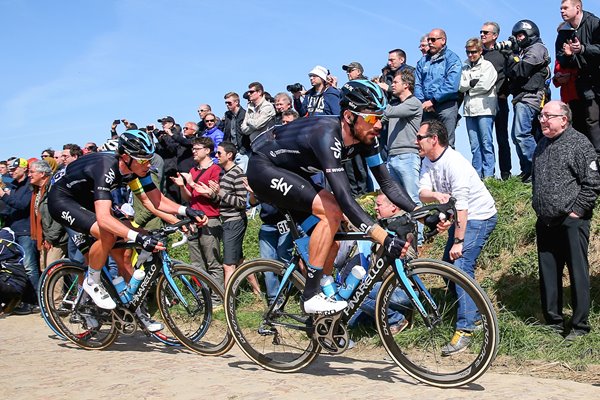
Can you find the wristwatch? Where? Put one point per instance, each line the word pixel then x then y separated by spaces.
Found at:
pixel 459 241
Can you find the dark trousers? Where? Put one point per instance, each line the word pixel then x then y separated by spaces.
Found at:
pixel 592 119
pixel 566 243
pixel 501 124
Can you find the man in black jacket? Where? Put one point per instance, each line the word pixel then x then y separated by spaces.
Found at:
pixel 578 46
pixel 232 121
pixel 566 184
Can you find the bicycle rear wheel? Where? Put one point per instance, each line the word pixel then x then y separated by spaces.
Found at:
pixel 418 350
pixel 46 273
pixel 71 311
pixel 280 341
pixel 188 310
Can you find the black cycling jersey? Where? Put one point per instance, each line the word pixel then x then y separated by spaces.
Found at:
pixel 92 177
pixel 286 156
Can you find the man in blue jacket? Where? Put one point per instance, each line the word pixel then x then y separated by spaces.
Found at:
pixel 437 79
pixel 16 217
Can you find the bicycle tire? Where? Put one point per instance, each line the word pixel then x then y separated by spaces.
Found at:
pixel 198 325
pixel 283 344
pixel 60 290
pixel 41 302
pixel 418 350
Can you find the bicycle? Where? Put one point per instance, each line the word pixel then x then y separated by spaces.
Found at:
pixel 280 337
pixel 183 295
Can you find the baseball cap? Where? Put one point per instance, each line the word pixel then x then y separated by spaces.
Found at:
pixel 319 71
pixel 166 119
pixel 19 162
pixel 353 65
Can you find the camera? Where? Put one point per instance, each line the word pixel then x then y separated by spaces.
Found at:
pixel 246 96
pixel 296 87
pixel 508 44
pixel 116 122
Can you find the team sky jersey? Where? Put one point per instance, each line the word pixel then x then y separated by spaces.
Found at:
pixel 93 176
pixel 311 145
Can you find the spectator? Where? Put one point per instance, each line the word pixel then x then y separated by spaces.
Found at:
pixel 203 109
pixel 404 162
pixel 527 71
pixel 260 115
pixel 489 34
pixel 71 152
pixel 446 173
pixel 47 153
pixel 232 128
pixel 478 83
pixel 90 147
pixel 49 235
pixel 566 185
pixel 6 177
pixel 437 79
pixel 205 252
pixel 354 70
pixel 396 62
pixel 212 132
pixel 321 98
pixel 577 47
pixel 424 45
pixel 167 149
pixel 283 102
pixel 289 116
pixel 16 216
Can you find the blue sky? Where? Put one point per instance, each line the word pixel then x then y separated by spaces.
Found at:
pixel 71 67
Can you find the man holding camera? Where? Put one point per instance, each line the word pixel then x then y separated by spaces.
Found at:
pixel 577 47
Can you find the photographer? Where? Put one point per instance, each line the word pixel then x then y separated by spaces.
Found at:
pixel 322 99
pixel 167 149
pixel 527 70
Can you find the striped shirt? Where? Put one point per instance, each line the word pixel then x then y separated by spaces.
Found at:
pixel 232 194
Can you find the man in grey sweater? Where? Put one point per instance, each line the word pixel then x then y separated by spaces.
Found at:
pixel 566 184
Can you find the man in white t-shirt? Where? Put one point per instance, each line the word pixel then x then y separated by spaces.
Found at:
pixel 446 173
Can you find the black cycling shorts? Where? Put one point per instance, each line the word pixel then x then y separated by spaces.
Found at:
pixel 69 212
pixel 284 189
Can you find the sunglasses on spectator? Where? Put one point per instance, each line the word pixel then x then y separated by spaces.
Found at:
pixel 187 127
pixel 251 91
pixel 229 103
pixel 45 155
pixel 369 118
pixel 419 137
pixel 433 39
pixel 209 120
pixel 485 32
pixel 472 51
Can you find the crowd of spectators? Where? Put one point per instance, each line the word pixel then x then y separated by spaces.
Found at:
pixel 202 163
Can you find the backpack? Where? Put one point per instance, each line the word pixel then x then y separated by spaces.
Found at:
pixel 13 277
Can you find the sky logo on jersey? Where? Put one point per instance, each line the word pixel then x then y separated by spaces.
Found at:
pixel 66 215
pixel 337 148
pixel 279 184
pixel 109 177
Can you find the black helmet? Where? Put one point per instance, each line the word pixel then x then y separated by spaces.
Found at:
pixel 529 28
pixel 362 94
pixel 137 144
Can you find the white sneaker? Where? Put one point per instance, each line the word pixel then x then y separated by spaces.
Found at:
pixel 321 304
pixel 150 324
pixel 99 295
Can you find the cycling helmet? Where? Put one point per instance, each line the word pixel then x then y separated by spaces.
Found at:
pixel 529 28
pixel 110 145
pixel 361 94
pixel 137 144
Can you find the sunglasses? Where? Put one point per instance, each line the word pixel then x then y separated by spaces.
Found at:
pixel 419 137
pixel 472 51
pixel 433 39
pixel 229 103
pixel 209 120
pixel 251 91
pixel 485 32
pixel 371 119
pixel 141 161
pixel 45 155
pixel 188 128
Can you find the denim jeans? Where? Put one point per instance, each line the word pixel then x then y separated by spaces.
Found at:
pixel 522 135
pixel 275 246
pixel 31 259
pixel 399 304
pixel 476 235
pixel 482 144
pixel 405 169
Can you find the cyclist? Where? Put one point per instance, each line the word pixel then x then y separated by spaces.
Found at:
pixel 285 157
pixel 80 198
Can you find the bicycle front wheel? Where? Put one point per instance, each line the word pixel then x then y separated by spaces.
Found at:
pixel 280 340
pixel 68 309
pixel 419 350
pixel 189 312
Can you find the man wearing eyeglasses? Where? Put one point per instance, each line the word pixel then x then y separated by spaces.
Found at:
pixel 260 115
pixel 232 128
pixel 285 158
pixel 566 185
pixel 437 79
pixel 90 147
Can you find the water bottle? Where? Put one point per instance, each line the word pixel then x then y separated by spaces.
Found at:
pixel 328 286
pixel 121 286
pixel 352 281
pixel 136 279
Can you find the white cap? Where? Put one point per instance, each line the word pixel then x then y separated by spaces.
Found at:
pixel 319 71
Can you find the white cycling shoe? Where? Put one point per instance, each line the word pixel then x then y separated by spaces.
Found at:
pixel 99 295
pixel 321 304
pixel 150 324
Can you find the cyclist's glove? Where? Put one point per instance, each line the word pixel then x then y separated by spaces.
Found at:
pixel 147 242
pixel 192 214
pixel 393 246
